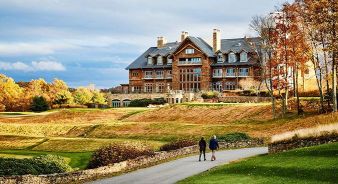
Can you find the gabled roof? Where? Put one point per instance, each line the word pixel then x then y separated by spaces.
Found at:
pixel 238 44
pixel 204 46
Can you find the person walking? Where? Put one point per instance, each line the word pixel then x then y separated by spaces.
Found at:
pixel 213 146
pixel 202 144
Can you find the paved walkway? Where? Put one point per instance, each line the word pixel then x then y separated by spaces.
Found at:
pixel 176 170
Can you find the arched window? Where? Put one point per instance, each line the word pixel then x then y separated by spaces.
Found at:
pixel 159 60
pixel 150 60
pixel 220 58
pixel 232 57
pixel 244 56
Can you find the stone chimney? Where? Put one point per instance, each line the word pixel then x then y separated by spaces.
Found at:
pixel 161 41
pixel 184 35
pixel 216 40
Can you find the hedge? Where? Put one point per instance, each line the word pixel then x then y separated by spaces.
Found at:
pixel 46 164
pixel 145 102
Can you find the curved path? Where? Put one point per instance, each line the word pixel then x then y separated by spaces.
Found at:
pixel 176 170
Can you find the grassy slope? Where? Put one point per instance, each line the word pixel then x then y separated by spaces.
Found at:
pixel 315 165
pixel 83 130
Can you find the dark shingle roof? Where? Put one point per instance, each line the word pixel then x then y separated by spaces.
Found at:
pixel 238 44
pixel 166 50
pixel 227 45
pixel 141 62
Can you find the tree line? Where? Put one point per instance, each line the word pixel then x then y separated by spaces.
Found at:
pixel 26 96
pixel 299 37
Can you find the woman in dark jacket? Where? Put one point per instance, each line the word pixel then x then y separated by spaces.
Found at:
pixel 202 144
pixel 213 146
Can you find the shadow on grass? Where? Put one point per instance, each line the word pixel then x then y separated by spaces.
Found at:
pixel 317 175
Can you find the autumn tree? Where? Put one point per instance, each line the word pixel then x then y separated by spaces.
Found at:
pixel 264 27
pixel 98 97
pixel 10 94
pixel 82 96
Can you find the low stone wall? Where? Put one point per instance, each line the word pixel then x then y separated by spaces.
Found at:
pixel 244 99
pixel 299 143
pixel 91 174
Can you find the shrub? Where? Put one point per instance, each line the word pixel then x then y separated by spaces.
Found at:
pixel 177 145
pixel 39 104
pixel 46 164
pixel 233 137
pixel 210 95
pixel 115 153
pixel 145 102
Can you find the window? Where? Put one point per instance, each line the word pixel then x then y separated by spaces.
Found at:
pixel 244 57
pixel 169 74
pixel 148 87
pixel 230 86
pixel 150 60
pixel 159 60
pixel 160 87
pixel 244 72
pixel 217 73
pixel 232 57
pixel 189 51
pixel 217 86
pixel 219 58
pixel 169 61
pixel 148 75
pixel 136 89
pixel 190 79
pixel 134 74
pixel 159 74
pixel 230 72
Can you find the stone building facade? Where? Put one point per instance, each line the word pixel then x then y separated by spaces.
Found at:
pixel 192 65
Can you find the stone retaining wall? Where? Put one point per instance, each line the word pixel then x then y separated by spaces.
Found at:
pixel 91 174
pixel 244 99
pixel 299 143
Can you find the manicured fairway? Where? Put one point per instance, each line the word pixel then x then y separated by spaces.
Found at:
pixel 315 165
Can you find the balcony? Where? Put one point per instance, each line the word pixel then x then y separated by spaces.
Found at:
pixel 148 77
pixel 169 77
pixel 243 74
pixel 217 75
pixel 159 76
pixel 230 75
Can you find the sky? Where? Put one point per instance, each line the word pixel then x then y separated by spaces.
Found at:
pixel 92 42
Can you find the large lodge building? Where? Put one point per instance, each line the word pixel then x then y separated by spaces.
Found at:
pixel 192 65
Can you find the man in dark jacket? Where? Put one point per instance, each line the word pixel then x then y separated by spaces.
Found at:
pixel 203 146
pixel 213 145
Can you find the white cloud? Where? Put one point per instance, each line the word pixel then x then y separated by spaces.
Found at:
pixel 38 48
pixel 34 66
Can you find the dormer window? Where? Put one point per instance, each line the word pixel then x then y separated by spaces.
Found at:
pixel 169 61
pixel 244 57
pixel 189 51
pixel 232 57
pixel 219 58
pixel 150 60
pixel 159 60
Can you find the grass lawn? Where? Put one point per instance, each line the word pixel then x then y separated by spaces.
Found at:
pixel 315 165
pixel 77 160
